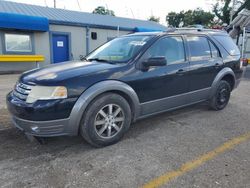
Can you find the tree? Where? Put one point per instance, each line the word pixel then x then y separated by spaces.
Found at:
pixel 223 12
pixel 223 8
pixel 190 17
pixel 174 19
pixel 203 18
pixel 102 10
pixel 154 19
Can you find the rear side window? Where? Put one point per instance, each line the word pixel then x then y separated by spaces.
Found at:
pixel 199 47
pixel 228 44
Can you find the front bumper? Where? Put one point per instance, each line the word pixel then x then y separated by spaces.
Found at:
pixel 43 118
pixel 44 110
pixel 43 128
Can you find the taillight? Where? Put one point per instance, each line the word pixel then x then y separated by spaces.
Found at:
pixel 243 62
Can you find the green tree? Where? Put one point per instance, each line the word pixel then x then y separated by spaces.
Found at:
pixel 102 10
pixel 190 17
pixel 174 19
pixel 222 9
pixel 202 17
pixel 154 19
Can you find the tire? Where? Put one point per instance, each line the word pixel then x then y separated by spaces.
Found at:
pixel 106 120
pixel 221 97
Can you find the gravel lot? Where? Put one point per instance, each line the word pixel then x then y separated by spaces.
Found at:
pixel 151 148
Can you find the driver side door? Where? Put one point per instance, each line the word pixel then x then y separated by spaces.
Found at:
pixel 160 88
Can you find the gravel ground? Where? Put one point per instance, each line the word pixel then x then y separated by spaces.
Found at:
pixel 7 82
pixel 151 147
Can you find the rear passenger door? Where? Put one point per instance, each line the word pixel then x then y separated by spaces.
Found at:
pixel 205 63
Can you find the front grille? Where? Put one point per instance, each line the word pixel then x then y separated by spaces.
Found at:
pixel 22 91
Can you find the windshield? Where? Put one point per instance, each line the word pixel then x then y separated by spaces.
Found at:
pixel 119 50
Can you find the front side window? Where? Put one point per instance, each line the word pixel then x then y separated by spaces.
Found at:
pixel 119 50
pixel 199 48
pixel 171 48
pixel 18 43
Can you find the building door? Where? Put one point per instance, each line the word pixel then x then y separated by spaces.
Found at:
pixel 60 48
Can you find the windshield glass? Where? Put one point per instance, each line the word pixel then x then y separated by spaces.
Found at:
pixel 119 50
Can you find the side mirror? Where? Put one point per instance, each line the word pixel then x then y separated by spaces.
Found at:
pixel 155 61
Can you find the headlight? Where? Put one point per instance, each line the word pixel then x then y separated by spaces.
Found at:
pixel 46 93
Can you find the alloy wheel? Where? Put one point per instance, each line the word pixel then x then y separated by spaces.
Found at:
pixel 109 121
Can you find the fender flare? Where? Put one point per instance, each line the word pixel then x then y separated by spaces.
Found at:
pixel 225 71
pixel 92 92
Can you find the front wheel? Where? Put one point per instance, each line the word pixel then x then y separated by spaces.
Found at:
pixel 106 120
pixel 222 95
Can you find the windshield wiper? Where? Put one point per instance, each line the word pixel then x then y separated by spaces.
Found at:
pixel 101 60
pixel 97 59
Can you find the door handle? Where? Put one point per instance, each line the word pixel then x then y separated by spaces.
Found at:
pixel 217 65
pixel 180 72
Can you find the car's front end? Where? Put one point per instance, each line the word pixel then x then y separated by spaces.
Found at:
pixel 42 99
pixel 40 110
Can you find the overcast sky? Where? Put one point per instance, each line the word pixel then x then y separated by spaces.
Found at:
pixel 140 9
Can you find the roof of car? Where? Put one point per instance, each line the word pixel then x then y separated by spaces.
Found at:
pixel 180 31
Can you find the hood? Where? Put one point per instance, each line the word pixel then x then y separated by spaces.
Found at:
pixel 63 71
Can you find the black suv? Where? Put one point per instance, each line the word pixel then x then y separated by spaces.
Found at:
pixel 126 79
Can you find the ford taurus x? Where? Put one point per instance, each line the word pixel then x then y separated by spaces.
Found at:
pixel 126 79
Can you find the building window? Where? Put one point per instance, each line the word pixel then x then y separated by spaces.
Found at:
pixel 18 43
pixel 94 35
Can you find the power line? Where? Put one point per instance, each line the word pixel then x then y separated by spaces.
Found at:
pixel 132 12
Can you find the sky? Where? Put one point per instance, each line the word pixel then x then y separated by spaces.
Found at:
pixel 128 8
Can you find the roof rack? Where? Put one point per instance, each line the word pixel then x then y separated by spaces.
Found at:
pixel 193 29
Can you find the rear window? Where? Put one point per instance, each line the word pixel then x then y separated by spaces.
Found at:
pixel 228 44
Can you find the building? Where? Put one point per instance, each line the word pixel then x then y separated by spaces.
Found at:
pixel 30 33
pixel 241 31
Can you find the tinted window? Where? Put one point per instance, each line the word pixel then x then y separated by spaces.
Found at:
pixel 170 47
pixel 214 50
pixel 228 44
pixel 199 47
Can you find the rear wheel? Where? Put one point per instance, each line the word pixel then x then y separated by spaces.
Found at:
pixel 106 120
pixel 221 96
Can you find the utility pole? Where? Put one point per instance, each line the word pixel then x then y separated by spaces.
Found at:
pixel 79 5
pixel 54 3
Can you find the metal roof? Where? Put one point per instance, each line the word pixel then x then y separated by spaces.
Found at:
pixel 242 20
pixel 68 17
